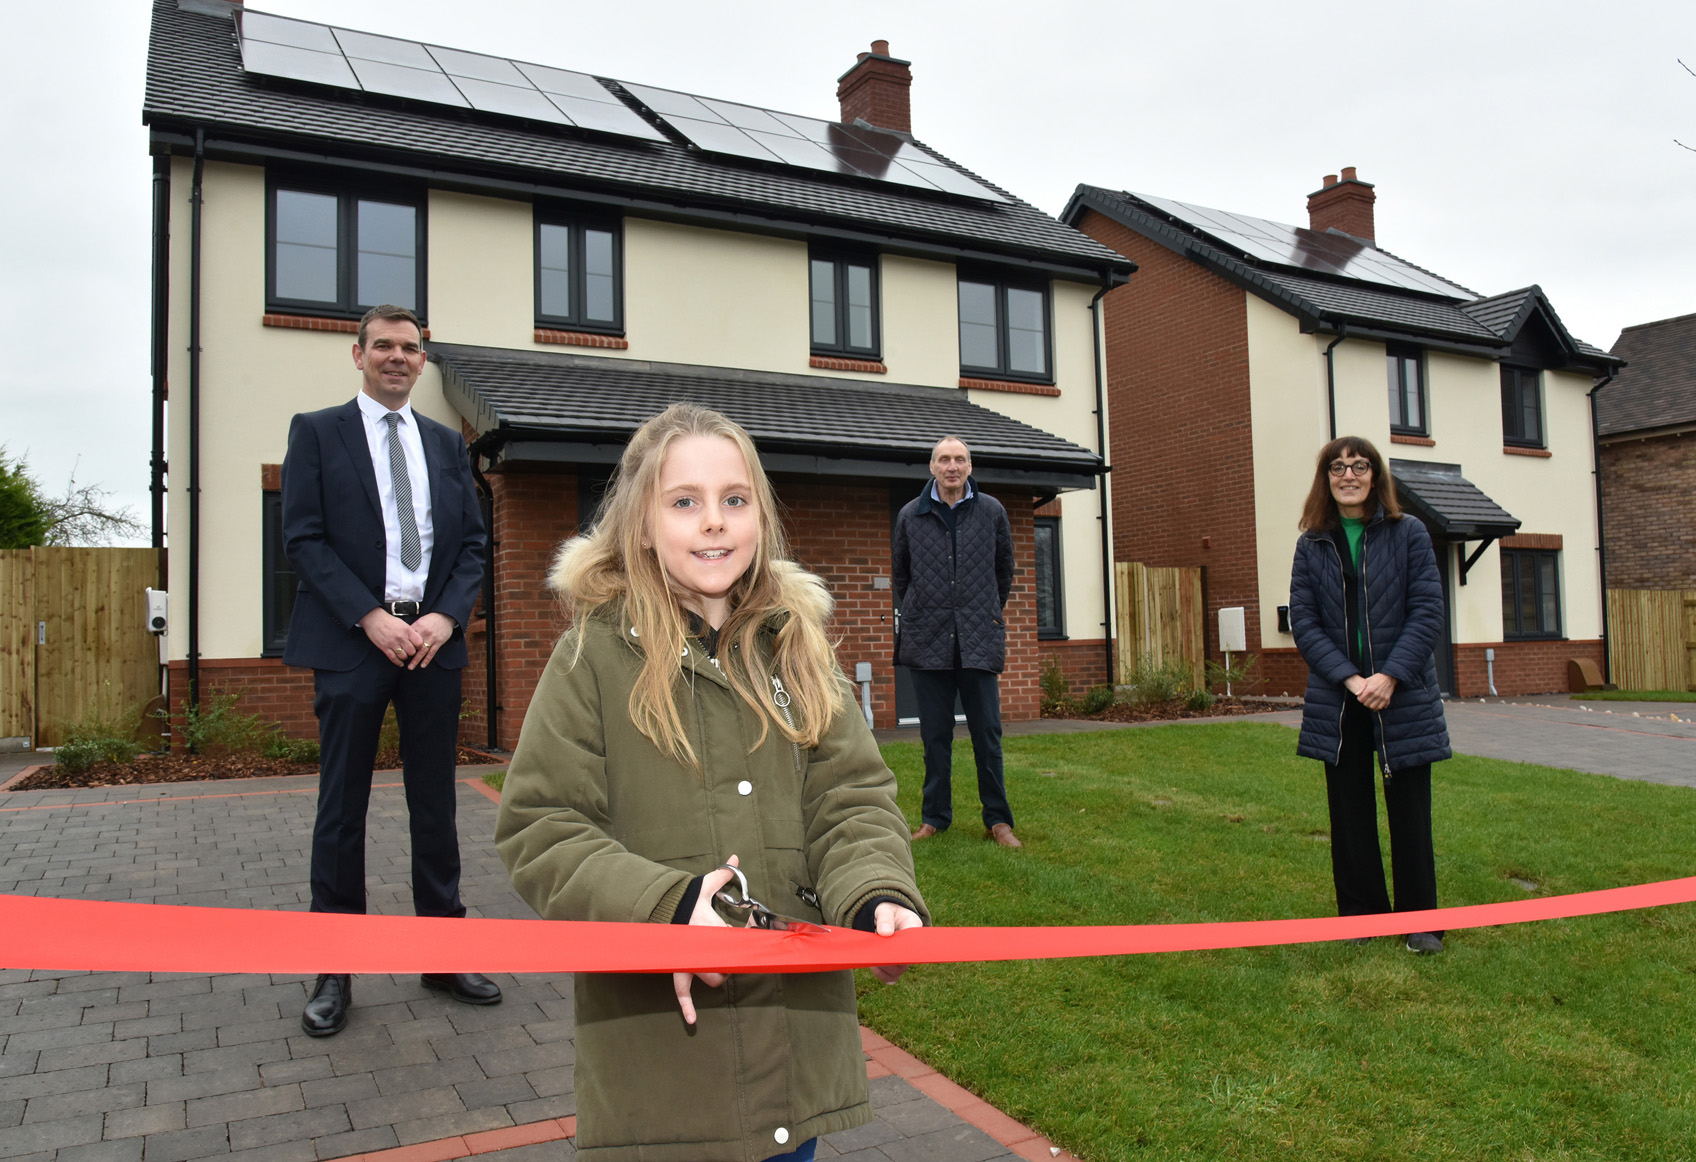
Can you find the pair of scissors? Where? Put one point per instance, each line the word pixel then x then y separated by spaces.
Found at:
pixel 740 910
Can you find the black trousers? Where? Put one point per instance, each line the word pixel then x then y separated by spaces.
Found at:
pixel 350 707
pixel 1357 866
pixel 979 692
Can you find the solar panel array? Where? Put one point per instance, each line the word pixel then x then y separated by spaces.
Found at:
pixel 303 51
pixel 790 139
pixel 1311 250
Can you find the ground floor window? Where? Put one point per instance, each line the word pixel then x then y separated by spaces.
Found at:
pixel 1050 608
pixel 1531 594
pixel 277 582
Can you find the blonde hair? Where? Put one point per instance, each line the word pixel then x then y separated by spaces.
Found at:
pixel 608 569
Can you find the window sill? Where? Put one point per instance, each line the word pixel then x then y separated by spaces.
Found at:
pixel 1510 450
pixel 581 339
pixel 1420 441
pixel 1008 385
pixel 843 363
pixel 315 323
pixel 1533 637
pixel 1051 635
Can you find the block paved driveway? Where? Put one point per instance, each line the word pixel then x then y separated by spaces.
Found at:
pixel 155 1067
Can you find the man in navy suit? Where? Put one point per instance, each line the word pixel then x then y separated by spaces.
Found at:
pixel 382 526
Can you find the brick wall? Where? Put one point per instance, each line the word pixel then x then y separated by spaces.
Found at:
pixel 1521 667
pixel 1648 497
pixel 1083 661
pixel 1183 459
pixel 264 686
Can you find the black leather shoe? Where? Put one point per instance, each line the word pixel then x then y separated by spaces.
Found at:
pixel 467 987
pixel 326 1012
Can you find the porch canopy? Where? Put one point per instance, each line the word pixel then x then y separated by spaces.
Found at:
pixel 1439 495
pixel 542 407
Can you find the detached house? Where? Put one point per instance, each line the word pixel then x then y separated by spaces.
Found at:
pixel 583 252
pixel 1243 345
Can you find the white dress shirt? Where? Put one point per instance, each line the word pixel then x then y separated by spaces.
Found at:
pixel 400 583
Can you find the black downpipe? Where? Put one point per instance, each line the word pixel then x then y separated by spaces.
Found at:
pixel 1331 376
pixel 1601 536
pixel 161 344
pixel 486 445
pixel 194 201
pixel 1098 326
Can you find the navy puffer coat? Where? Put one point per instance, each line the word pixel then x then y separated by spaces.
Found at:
pixel 1401 608
pixel 952 586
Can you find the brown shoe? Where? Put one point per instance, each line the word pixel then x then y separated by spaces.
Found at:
pixel 1002 833
pixel 923 831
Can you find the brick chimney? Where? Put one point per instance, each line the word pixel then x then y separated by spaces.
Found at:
pixel 1345 205
pixel 875 90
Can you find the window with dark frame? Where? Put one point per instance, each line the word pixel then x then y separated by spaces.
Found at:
pixel 1004 332
pixel 1531 594
pixel 1050 605
pixel 277 584
pixel 579 273
pixel 341 250
pixel 1522 407
pixel 1407 391
pixel 844 305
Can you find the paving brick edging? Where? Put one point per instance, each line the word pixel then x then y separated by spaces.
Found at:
pixel 22 775
pixel 467 1145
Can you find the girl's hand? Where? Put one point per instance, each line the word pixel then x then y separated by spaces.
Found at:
pixel 891 918
pixel 1374 692
pixel 705 916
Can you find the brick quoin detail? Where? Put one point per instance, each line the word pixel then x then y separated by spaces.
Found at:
pixel 1009 385
pixel 581 339
pixel 1646 510
pixel 1521 667
pixel 308 323
pixel 1176 340
pixel 834 363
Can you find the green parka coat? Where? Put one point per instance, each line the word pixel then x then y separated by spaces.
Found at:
pixel 597 824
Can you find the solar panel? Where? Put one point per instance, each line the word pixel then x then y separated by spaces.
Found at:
pixel 826 146
pixel 1307 250
pixel 317 53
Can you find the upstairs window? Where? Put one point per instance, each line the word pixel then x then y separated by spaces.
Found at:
pixel 844 305
pixel 579 274
pixel 340 251
pixel 1004 330
pixel 1407 391
pixel 1531 594
pixel 1522 407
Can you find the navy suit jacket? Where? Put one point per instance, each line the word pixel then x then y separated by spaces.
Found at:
pixel 333 536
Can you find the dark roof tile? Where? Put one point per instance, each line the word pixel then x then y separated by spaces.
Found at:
pixel 1657 388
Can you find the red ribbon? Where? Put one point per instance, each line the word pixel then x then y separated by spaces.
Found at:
pixel 101 936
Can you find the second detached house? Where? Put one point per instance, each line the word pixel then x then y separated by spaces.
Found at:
pixel 583 252
pixel 1243 345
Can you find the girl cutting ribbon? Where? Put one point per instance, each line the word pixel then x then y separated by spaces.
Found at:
pixel 695 717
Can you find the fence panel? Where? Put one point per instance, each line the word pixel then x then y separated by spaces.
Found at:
pixel 1160 617
pixel 17 647
pixel 1652 638
pixel 97 657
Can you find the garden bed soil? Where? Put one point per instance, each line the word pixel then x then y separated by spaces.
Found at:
pixel 179 767
pixel 1163 711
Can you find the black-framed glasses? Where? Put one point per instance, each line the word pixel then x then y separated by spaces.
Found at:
pixel 1358 467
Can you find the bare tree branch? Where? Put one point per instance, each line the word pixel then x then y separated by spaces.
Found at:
pixel 84 516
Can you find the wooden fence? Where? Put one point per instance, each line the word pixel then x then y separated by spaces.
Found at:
pixel 1160 618
pixel 1652 638
pixel 73 638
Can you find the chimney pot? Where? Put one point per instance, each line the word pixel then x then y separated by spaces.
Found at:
pixel 1345 205
pixel 1328 180
pixel 875 90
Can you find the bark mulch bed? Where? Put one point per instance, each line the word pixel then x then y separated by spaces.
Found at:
pixel 187 768
pixel 1167 711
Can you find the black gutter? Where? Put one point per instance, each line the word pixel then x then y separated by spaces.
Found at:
pixel 1098 325
pixel 194 422
pixel 1331 376
pixel 1601 531
pixel 489 441
pixel 160 346
pixel 681 210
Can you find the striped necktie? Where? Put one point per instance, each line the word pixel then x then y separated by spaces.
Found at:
pixel 410 553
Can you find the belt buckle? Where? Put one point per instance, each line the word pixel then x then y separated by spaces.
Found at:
pixel 403 608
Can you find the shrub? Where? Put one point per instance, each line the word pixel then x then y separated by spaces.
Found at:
pixel 97 739
pixel 295 750
pixel 1056 687
pixel 1199 700
pixel 214 726
pixel 1098 698
pixel 1240 675
pixel 1152 683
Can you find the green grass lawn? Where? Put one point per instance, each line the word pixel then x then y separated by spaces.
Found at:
pixel 1556 1040
pixel 1636 696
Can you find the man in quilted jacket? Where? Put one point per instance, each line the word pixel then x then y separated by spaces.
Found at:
pixel 953 570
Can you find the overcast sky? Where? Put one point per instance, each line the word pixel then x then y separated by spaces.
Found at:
pixel 1510 142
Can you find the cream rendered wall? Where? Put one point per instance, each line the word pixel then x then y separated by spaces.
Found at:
pixel 1070 416
pixel 253 379
pixel 921 323
pixel 481 286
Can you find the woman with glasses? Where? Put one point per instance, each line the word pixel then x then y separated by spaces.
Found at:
pixel 1367 611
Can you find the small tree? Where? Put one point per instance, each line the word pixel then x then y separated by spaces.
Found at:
pixel 24 515
pixel 84 515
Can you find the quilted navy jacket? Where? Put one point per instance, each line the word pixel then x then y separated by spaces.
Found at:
pixel 941 597
pixel 1401 596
